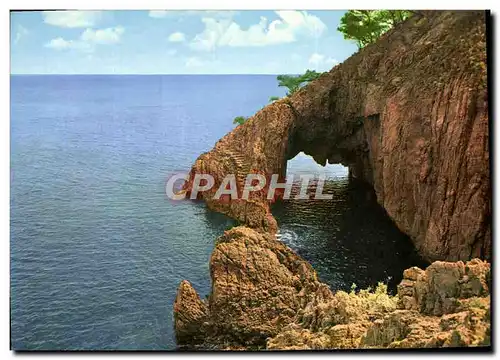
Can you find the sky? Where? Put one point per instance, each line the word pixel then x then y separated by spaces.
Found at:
pixel 176 42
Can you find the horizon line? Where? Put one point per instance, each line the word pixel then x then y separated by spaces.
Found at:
pixel 139 74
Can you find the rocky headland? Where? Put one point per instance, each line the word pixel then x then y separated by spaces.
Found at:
pixel 264 296
pixel 409 116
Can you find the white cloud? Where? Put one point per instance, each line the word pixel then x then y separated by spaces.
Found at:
pixel 71 19
pixel 158 13
pixel 103 36
pixel 88 39
pixel 62 44
pixel 215 13
pixel 181 13
pixel 322 62
pixel 177 37
pixel 316 58
pixel 20 33
pixel 301 21
pixel 193 62
pixel 58 43
pixel 286 29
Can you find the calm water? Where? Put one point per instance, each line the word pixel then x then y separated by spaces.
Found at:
pixel 97 251
pixel 348 239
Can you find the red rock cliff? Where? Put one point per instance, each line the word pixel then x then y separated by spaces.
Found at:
pixel 407 114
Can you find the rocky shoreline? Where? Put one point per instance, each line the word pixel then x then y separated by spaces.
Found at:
pixel 264 296
pixel 409 116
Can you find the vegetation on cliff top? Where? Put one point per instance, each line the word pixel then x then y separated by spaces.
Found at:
pixel 292 82
pixel 367 26
pixel 362 26
pixel 428 311
pixel 239 120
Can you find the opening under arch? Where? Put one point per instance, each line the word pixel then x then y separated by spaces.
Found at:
pixel 348 238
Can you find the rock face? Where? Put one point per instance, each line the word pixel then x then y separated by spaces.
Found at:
pixel 264 296
pixel 408 115
pixel 190 313
pixel 422 314
pixel 437 290
pixel 258 286
pixel 448 305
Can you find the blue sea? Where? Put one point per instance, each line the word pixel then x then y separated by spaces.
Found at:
pixel 97 250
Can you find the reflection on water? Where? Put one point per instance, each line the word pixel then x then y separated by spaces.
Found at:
pixel 348 239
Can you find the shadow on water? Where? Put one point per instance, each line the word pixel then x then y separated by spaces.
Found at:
pixel 349 239
pixel 218 222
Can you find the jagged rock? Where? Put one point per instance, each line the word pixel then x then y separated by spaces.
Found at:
pixel 298 338
pixel 412 273
pixel 437 290
pixel 266 296
pixel 371 320
pixel 336 323
pixel 258 286
pixel 476 281
pixel 408 115
pixel 190 314
pixel 294 337
pixel 411 329
pixel 397 326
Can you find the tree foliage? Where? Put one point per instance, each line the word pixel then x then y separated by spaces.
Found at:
pixel 366 26
pixel 239 120
pixel 294 82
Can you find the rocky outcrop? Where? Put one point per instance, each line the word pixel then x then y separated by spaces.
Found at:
pixel 408 115
pixel 456 313
pixel 437 290
pixel 377 320
pixel 264 296
pixel 258 286
pixel 190 314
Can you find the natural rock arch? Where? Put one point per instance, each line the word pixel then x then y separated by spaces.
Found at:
pixel 408 115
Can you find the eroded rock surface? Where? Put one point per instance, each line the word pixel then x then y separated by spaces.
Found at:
pixel 190 314
pixel 264 296
pixel 437 290
pixel 408 114
pixel 258 286
pixel 377 320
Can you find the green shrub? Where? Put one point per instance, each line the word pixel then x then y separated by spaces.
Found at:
pixel 239 120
